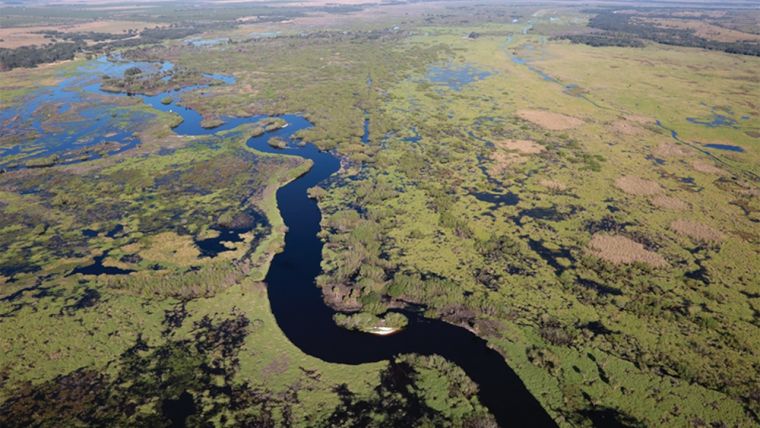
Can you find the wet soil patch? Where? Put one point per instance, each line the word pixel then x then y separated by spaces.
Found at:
pixel 174 317
pixel 656 160
pixel 609 418
pixel 601 289
pixel 700 274
pixel 552 256
pixel 597 328
pixel 12 269
pixel 18 294
pixel 606 224
pixel 131 259
pixel 89 298
pixel 547 214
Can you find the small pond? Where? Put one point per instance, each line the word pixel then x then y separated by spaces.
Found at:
pixel 726 147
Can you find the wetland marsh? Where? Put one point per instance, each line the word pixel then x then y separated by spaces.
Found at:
pixel 438 214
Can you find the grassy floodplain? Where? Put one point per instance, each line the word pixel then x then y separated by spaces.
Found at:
pixel 566 205
pixel 158 318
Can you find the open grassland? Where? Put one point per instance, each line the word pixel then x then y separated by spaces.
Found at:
pixel 604 283
pixel 13 37
pixel 705 30
pixel 672 85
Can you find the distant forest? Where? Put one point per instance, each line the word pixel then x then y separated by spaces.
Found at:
pixel 604 39
pixel 618 27
pixel 31 56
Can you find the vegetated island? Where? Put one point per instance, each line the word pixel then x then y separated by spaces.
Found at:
pixel 390 323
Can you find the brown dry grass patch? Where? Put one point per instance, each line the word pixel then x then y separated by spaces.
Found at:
pixel 637 186
pixel 171 248
pixel 550 120
pixel 706 167
pixel 670 150
pixel 696 230
pixel 641 120
pixel 501 161
pixel 631 124
pixel 706 30
pixel 248 89
pixel 553 184
pixel 512 152
pixel 621 250
pixel 669 203
pixel 14 37
pixel 626 128
pixel 523 146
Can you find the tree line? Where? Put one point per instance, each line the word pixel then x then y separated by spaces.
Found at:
pixel 31 56
pixel 599 40
pixel 617 25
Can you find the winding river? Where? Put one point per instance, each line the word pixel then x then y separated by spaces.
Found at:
pixel 297 302
pixel 305 319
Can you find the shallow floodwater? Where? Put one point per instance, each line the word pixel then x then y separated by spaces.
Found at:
pixel 297 302
pixel 456 77
pixel 94 122
pixel 570 89
pixel 200 43
pixel 715 121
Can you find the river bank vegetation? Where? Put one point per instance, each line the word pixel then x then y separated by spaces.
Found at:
pixel 547 178
pixel 370 323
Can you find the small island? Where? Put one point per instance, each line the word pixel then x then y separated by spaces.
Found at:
pixel 211 122
pixel 390 323
pixel 277 143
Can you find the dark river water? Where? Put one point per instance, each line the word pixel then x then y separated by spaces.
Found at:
pixel 305 319
pixel 297 302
